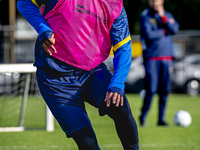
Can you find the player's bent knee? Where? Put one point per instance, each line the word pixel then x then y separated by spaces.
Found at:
pixel 121 112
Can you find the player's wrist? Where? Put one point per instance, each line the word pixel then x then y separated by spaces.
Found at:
pixel 45 35
pixel 116 90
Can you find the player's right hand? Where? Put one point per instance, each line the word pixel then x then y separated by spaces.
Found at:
pixel 49 43
pixel 114 98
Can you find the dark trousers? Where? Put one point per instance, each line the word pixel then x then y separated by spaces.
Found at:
pixel 157 80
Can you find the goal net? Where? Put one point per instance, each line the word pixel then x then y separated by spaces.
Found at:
pixel 21 105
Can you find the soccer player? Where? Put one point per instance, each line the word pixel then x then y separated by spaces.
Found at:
pixel 157 27
pixel 74 38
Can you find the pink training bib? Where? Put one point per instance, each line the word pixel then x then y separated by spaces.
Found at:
pixel 81 29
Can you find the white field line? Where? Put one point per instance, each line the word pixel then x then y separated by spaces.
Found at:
pixel 24 147
pixel 196 145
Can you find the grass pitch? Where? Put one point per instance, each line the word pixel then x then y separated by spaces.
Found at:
pixel 151 137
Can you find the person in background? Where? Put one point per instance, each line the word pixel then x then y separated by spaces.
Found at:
pixel 156 28
pixel 74 38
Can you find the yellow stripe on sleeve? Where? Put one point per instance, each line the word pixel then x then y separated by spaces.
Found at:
pixel 118 45
pixel 34 2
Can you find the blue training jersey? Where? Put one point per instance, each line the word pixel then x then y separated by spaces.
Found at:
pixel 119 33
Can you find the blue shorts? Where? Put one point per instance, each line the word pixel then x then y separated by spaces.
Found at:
pixel 66 93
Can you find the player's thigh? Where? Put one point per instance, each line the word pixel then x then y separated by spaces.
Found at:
pixel 117 113
pixel 97 88
pixel 64 102
pixel 71 118
pixel 97 85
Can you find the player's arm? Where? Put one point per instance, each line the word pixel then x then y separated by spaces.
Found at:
pixel 171 25
pixel 148 31
pixel 121 41
pixel 31 12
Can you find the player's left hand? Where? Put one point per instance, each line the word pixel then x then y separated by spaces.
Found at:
pixel 114 98
pixel 49 43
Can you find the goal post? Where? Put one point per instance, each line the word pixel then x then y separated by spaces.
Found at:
pixel 27 70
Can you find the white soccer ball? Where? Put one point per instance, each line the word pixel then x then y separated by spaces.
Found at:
pixel 182 118
pixel 142 93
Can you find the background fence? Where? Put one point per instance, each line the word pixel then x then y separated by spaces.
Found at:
pixel 17 46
